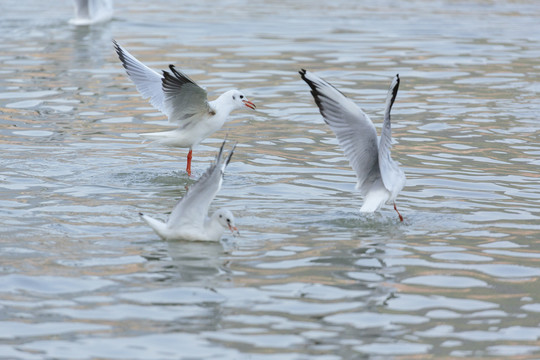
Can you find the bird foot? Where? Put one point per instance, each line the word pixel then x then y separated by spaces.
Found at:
pixel 400 217
pixel 188 167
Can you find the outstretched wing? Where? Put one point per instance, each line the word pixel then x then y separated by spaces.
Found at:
pixel 193 207
pixel 184 99
pixel 147 81
pixel 387 166
pixel 353 128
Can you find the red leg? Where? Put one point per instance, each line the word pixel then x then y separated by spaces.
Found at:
pixel 400 217
pixel 188 167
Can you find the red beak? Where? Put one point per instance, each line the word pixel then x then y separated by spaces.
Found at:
pixel 249 104
pixel 233 229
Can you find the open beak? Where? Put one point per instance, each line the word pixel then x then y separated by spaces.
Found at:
pixel 249 104
pixel 234 230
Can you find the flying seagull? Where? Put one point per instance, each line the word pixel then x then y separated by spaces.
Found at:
pixel 183 101
pixel 380 179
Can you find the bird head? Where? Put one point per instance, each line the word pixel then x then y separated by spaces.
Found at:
pixel 241 100
pixel 226 219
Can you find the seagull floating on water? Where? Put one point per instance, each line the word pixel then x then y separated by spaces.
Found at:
pixel 89 12
pixel 189 219
pixel 183 101
pixel 380 179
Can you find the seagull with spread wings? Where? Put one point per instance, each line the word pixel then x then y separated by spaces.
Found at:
pixel 189 219
pixel 380 179
pixel 183 101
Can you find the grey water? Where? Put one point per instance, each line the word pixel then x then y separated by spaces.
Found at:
pixel 309 277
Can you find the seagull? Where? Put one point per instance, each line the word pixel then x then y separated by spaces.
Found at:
pixel 380 179
pixel 89 12
pixel 189 219
pixel 183 101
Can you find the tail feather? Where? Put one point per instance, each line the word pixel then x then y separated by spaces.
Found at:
pixel 158 226
pixel 173 138
pixel 374 199
pixel 159 135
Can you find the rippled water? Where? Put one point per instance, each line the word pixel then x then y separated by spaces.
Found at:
pixel 82 277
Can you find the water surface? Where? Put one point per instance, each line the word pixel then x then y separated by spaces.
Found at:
pixel 82 277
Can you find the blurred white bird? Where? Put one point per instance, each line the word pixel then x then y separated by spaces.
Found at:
pixel 183 101
pixel 380 179
pixel 89 12
pixel 189 219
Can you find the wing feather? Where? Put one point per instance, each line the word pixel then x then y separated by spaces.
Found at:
pixel 146 80
pixel 353 128
pixel 192 209
pixel 388 167
pixel 184 99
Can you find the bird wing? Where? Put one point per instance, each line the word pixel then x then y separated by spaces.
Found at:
pixel 147 81
pixel 192 209
pixel 185 101
pixel 353 128
pixel 387 166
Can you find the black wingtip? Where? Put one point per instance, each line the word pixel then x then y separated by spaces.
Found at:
pixel 228 160
pixel 231 154
pixel 117 47
pixel 171 81
pixel 173 70
pixel 303 73
pixel 315 91
pixel 166 74
pixel 394 87
pixel 218 156
pixel 176 72
pixel 120 52
pixel 175 78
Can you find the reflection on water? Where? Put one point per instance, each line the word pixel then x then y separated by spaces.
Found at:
pixel 82 277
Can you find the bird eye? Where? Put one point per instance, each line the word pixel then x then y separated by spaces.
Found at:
pixel 241 96
pixel 220 216
pixel 228 220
